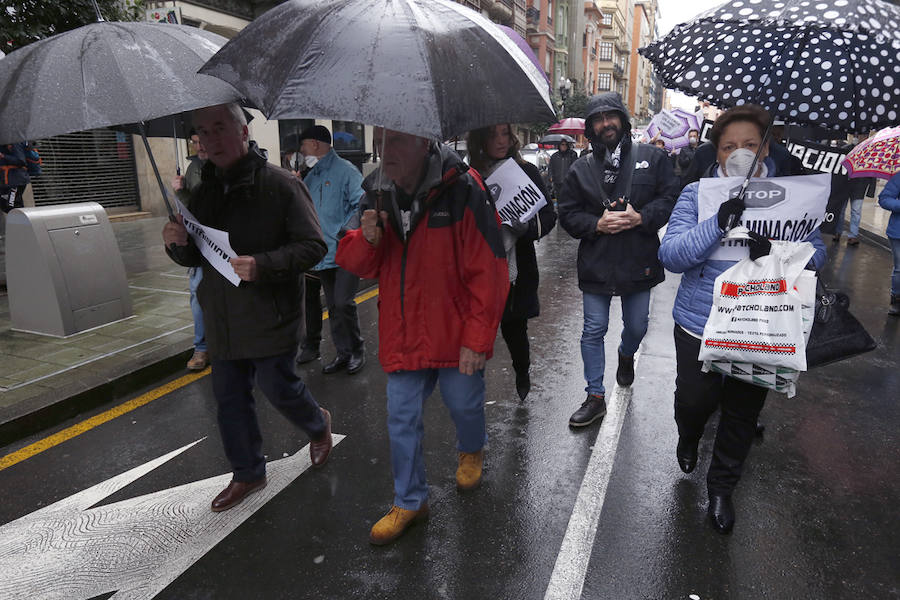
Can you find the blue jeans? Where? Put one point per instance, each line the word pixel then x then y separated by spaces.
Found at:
pixel 856 206
pixel 635 316
pixel 895 275
pixel 406 394
pixel 196 275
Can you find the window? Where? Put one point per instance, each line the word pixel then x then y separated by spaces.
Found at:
pixel 607 19
pixel 348 136
pixel 606 50
pixel 603 81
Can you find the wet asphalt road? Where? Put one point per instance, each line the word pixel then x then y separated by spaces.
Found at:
pixel 817 508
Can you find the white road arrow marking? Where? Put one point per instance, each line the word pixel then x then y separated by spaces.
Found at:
pixel 135 547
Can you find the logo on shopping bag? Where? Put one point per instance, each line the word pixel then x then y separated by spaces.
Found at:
pixel 749 288
pixel 761 194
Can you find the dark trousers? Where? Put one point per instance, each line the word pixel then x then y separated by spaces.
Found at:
pixel 698 395
pixel 232 384
pixel 340 289
pixel 515 334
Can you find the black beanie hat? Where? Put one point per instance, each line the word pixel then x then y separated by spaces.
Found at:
pixel 316 132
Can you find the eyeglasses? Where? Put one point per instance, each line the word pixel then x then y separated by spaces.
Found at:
pixel 193 141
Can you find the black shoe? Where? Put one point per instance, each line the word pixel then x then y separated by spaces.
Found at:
pixel 625 372
pixel 721 512
pixel 523 384
pixel 340 362
pixel 760 429
pixel 894 310
pixel 357 361
pixel 686 453
pixel 591 409
pixel 307 354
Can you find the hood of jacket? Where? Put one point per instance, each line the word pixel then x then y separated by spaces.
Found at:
pixel 601 103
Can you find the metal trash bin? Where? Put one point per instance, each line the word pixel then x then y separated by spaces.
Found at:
pixel 64 272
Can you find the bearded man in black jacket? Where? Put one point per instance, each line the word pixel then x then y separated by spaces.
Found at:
pixel 615 200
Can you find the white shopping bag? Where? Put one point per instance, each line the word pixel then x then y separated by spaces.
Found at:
pixel 779 379
pixel 757 314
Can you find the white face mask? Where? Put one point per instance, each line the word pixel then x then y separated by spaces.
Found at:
pixel 738 162
pixel 693 139
pixel 310 160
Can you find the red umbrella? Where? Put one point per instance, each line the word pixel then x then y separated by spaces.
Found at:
pixel 878 156
pixel 569 126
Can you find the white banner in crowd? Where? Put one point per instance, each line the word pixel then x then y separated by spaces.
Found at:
pixel 213 244
pixel 515 194
pixel 780 208
pixel 669 125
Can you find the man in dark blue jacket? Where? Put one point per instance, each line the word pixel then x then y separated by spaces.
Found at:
pixel 615 200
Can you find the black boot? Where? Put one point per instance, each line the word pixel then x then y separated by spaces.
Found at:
pixel 523 384
pixel 625 372
pixel 894 310
pixel 686 453
pixel 721 512
pixel 591 409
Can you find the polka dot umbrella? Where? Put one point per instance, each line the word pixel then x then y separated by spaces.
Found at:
pixel 829 63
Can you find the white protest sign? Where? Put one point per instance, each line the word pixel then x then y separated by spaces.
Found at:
pixel 213 244
pixel 669 125
pixel 779 208
pixel 515 194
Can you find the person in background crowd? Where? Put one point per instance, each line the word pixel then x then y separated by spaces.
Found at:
pixel 14 176
pixel 560 163
pixel 615 200
pixel 252 329
pixel 336 189
pixel 488 148
pixel 889 199
pixel 184 187
pixel 736 135
pixel 432 239
pixel 686 154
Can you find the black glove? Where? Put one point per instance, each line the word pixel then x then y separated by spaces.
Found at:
pixel 730 208
pixel 759 245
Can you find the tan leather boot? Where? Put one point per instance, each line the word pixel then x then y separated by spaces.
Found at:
pixel 468 474
pixel 395 523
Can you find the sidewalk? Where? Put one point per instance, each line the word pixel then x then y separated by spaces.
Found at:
pixel 44 380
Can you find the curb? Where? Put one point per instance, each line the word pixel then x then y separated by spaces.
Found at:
pixel 50 413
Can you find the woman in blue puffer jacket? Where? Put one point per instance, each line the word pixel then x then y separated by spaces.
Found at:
pixel 686 247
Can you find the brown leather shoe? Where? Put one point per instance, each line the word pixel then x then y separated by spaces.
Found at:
pixel 199 361
pixel 395 523
pixel 235 493
pixel 321 448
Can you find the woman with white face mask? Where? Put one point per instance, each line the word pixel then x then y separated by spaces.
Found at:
pixel 737 136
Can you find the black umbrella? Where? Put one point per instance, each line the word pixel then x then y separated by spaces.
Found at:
pixel 829 63
pixel 555 138
pixel 104 74
pixel 427 67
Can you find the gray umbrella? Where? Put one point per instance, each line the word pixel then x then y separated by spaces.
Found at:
pixel 428 67
pixel 104 74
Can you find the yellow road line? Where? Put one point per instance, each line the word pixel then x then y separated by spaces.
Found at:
pixel 86 425
pixel 359 299
pixel 126 407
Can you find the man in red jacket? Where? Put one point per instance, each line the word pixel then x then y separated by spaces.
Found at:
pixel 436 250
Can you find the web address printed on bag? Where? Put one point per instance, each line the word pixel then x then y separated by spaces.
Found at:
pixel 757 307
